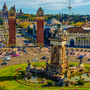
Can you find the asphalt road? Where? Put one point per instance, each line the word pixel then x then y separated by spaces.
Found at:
pixel 31 49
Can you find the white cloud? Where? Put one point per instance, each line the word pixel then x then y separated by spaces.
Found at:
pixel 46 4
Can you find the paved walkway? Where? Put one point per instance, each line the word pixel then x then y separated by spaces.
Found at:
pixel 78 53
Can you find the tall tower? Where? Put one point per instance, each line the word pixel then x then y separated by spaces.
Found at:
pixel 69 7
pixel 40 27
pixel 12 29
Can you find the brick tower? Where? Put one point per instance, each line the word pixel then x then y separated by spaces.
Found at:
pixel 40 27
pixel 12 29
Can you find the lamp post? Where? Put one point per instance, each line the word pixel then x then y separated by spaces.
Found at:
pixel 36 74
pixel 20 55
pixel 36 77
pixel 7 41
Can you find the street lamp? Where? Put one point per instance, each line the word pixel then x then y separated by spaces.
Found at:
pixel 36 77
pixel 36 74
pixel 20 54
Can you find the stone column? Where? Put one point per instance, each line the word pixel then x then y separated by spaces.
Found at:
pixel 77 41
pixel 83 41
pixel 86 42
pixel 89 42
pixel 80 41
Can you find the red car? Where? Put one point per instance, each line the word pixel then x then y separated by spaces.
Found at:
pixel 15 55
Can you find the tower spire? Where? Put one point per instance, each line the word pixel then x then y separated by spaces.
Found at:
pixel 69 6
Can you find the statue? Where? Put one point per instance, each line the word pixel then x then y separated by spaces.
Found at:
pixel 66 73
pixel 47 59
pixel 80 61
pixel 28 62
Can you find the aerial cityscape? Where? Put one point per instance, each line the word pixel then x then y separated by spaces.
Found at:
pixel 45 45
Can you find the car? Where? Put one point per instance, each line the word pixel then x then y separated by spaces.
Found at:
pixel 2 56
pixel 7 58
pixel 26 44
pixel 80 57
pixel 11 53
pixel 35 59
pixel 5 63
pixel 15 55
pixel 44 57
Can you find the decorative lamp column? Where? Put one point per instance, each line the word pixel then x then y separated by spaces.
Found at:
pixel 12 29
pixel 40 27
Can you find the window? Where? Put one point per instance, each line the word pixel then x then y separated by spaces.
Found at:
pixel 40 14
pixel 11 14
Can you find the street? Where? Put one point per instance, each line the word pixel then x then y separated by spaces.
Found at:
pixel 32 52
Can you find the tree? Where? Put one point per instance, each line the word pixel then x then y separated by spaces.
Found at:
pixel 30 30
pixel 1 21
pixel 79 23
pixel 81 82
pixel 23 25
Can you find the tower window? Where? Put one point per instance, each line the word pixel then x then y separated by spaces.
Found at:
pixel 11 14
pixel 40 14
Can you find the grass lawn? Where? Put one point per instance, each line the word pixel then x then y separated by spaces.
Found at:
pixel 7 81
pixel 1 25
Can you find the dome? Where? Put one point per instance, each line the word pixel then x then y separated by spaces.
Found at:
pixel 53 21
pixel 4 6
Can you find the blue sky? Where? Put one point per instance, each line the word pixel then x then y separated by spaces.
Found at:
pixel 49 6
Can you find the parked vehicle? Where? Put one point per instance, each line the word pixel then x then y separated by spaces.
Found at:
pixel 15 55
pixel 2 56
pixel 35 59
pixel 7 58
pixel 44 57
pixel 5 63
pixel 80 57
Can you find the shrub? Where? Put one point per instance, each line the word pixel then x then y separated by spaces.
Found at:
pixel 22 73
pixel 81 82
pixel 50 83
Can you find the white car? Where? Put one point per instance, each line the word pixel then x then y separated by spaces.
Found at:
pixel 2 56
pixel 35 59
pixel 7 58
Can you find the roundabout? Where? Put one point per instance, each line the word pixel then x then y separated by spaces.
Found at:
pixel 11 79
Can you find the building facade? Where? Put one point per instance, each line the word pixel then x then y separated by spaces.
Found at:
pixel 77 36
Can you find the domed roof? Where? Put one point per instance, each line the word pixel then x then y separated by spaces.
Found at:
pixel 53 21
pixel 4 6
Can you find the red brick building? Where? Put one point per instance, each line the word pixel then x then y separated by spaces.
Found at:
pixel 40 27
pixel 12 29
